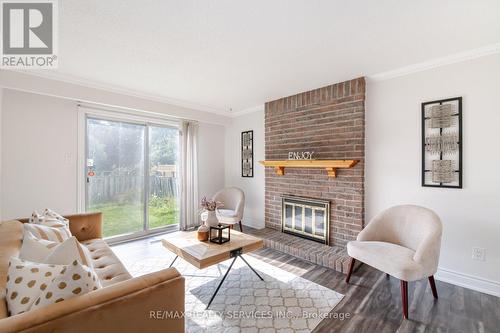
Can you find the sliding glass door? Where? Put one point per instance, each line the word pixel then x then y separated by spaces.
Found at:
pixel 163 201
pixel 132 175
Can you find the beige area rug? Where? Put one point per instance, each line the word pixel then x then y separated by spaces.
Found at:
pixel 283 302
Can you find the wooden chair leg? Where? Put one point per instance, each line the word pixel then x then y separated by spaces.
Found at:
pixel 241 227
pixel 404 298
pixel 349 271
pixel 433 286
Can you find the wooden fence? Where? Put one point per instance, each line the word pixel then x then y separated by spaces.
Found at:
pixel 117 187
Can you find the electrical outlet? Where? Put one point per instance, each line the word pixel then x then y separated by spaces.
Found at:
pixel 478 253
pixel 67 157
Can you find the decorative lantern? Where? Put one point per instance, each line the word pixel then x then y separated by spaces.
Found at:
pixel 220 234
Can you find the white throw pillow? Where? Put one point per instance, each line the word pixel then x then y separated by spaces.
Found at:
pixel 35 249
pixel 26 281
pixel 67 252
pixel 74 280
pixel 49 252
pixel 55 234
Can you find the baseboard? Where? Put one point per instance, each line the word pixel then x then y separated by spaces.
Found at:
pixel 253 223
pixel 469 281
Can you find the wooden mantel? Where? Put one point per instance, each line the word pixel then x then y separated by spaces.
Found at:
pixel 330 166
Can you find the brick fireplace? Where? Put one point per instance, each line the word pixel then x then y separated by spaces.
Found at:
pixel 329 121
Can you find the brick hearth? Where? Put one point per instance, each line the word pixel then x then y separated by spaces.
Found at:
pixel 334 257
pixel 331 122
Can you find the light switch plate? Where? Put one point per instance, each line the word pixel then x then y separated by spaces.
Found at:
pixel 478 253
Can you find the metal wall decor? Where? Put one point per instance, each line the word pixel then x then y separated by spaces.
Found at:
pixel 442 143
pixel 247 154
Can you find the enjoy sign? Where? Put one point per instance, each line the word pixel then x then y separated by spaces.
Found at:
pixel 300 155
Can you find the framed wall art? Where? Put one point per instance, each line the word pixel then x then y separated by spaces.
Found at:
pixel 247 154
pixel 442 143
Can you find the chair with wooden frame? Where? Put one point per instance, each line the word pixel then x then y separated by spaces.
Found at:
pixel 402 241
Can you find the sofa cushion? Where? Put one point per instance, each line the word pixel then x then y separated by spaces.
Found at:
pixel 108 267
pixel 393 259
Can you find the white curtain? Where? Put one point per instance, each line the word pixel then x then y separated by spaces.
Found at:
pixel 189 164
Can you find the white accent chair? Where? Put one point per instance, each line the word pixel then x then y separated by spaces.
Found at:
pixel 402 241
pixel 233 200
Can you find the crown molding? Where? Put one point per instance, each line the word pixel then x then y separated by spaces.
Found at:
pixel 402 71
pixel 415 68
pixel 437 62
pixel 79 93
pixel 51 75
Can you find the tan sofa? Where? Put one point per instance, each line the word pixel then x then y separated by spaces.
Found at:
pixel 124 304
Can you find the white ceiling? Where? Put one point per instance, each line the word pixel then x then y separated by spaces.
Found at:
pixel 223 54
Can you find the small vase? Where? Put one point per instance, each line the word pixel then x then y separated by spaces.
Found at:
pixel 203 231
pixel 212 220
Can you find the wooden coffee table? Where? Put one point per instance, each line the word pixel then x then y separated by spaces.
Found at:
pixel 186 245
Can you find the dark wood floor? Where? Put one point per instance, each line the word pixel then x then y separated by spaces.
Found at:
pixel 373 301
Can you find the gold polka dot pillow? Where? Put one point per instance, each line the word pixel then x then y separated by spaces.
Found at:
pixel 26 281
pixel 75 279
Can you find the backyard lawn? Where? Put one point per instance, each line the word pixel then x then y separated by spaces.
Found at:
pixel 125 218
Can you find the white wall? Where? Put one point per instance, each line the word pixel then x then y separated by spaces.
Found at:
pixel 253 187
pixel 210 159
pixel 39 145
pixel 39 154
pixel 471 216
pixel 103 95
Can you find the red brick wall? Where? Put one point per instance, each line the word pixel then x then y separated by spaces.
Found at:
pixel 331 122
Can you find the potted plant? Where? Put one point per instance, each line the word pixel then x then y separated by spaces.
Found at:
pixel 209 206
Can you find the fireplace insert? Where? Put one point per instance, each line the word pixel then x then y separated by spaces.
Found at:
pixel 306 217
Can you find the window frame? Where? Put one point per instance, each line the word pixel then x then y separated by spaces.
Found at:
pixel 124 116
